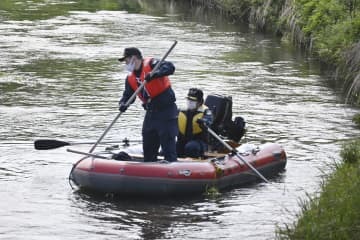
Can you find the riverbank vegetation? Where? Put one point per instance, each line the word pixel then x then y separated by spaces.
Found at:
pixel 328 29
pixel 335 214
pixel 356 120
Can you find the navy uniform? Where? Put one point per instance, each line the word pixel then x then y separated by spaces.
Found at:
pixel 158 98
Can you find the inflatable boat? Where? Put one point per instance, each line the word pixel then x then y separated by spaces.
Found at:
pixel 124 172
pixel 100 173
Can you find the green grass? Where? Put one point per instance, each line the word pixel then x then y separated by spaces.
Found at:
pixel 356 119
pixel 335 213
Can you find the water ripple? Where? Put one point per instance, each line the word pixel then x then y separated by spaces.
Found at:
pixel 60 79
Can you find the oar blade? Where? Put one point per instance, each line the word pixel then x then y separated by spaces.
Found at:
pixel 46 144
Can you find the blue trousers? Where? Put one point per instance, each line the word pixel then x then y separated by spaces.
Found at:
pixel 160 128
pixel 195 148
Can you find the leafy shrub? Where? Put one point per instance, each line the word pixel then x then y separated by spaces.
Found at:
pixel 351 152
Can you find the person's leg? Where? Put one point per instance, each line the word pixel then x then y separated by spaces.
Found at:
pixel 180 148
pixel 168 130
pixel 194 149
pixel 151 142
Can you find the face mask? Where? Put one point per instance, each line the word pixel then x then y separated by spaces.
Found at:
pixel 191 105
pixel 131 65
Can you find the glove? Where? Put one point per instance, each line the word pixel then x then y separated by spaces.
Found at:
pixel 122 107
pixel 148 77
pixel 202 123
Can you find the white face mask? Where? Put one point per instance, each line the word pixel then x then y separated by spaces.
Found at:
pixel 131 65
pixel 191 105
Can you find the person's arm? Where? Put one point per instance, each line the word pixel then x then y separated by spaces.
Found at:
pixel 206 120
pixel 207 117
pixel 165 69
pixel 128 92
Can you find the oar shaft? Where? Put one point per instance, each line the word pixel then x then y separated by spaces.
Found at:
pixel 87 154
pixel 15 143
pixel 236 153
pixel 252 168
pixel 80 143
pixel 105 132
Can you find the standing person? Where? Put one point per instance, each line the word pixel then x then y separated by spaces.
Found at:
pixel 158 99
pixel 192 138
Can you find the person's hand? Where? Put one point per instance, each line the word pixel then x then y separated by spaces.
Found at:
pixel 148 77
pixel 202 123
pixel 122 107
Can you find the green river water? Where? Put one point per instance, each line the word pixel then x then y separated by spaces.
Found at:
pixel 60 79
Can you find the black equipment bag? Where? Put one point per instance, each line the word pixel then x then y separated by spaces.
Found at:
pixel 221 108
pixel 236 129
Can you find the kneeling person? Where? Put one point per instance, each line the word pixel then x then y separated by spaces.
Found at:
pixel 192 138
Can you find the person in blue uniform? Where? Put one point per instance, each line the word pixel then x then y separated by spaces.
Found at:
pixel 193 137
pixel 158 99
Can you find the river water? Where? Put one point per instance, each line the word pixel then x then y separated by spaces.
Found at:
pixel 60 79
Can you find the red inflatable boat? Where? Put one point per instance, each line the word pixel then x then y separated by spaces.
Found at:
pixel 245 164
pixel 184 177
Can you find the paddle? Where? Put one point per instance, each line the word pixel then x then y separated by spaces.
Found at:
pixel 132 98
pixel 46 144
pixel 234 151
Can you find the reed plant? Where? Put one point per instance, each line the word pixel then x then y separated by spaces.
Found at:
pixel 335 212
pixel 328 29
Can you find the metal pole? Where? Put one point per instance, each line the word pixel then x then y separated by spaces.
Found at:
pixel 233 150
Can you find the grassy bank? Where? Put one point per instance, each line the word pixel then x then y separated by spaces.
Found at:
pixel 328 29
pixel 335 214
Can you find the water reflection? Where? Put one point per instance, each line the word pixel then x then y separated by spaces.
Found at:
pixel 151 218
pixel 184 218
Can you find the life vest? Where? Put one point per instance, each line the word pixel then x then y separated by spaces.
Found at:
pixel 182 121
pixel 153 88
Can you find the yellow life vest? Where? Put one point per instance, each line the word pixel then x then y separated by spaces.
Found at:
pixel 182 121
